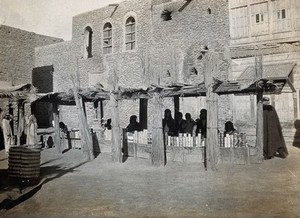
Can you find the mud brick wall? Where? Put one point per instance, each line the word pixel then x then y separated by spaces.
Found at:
pixel 17 53
pixel 161 46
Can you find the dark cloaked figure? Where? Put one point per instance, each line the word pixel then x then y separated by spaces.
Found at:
pixel 189 124
pixel 133 124
pixel 202 123
pixel 229 128
pixel 274 144
pixel 107 125
pixel 179 123
pixel 169 127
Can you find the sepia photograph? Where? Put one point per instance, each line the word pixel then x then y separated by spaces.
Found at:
pixel 149 108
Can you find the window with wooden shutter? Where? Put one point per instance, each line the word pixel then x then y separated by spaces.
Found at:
pixel 259 19
pixel 239 25
pixel 281 15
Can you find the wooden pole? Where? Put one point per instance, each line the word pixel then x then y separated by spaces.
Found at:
pixel 116 146
pixel 176 107
pixel 20 122
pixel 143 113
pixel 158 148
pixel 85 133
pixel 259 115
pixel 211 68
pixel 57 140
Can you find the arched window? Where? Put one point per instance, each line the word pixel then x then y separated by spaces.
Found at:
pixel 107 38
pixel 88 38
pixel 130 33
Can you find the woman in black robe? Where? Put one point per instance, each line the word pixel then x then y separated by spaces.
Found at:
pixel 274 144
pixel 133 124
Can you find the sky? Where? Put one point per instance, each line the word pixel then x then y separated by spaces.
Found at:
pixel 46 17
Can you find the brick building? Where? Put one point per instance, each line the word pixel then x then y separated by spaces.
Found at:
pixel 137 43
pixel 17 58
pixel 270 28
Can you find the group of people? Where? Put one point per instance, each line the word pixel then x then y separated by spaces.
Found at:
pixel 29 131
pixel 273 144
pixel 172 127
pixel 133 125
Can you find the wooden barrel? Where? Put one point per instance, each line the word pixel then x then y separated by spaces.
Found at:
pixel 24 161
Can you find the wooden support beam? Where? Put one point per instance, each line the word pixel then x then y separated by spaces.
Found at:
pixel 212 148
pixel 85 133
pixel 259 114
pixel 21 121
pixel 184 6
pixel 101 110
pixel 57 141
pixel 116 146
pixel 176 106
pixel 143 113
pixel 252 107
pixel 295 103
pixel 158 148
pixel 212 130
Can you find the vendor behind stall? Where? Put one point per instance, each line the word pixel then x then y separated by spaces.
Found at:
pixel 202 123
pixel 190 125
pixel 133 124
pixel 229 129
pixel 169 127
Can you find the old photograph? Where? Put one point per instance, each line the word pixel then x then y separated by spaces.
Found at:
pixel 149 108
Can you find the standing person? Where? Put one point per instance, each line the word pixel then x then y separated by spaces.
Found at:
pixel 169 127
pixel 31 130
pixel 107 125
pixel 133 124
pixel 7 132
pixel 179 123
pixel 274 144
pixel 202 123
pixel 189 124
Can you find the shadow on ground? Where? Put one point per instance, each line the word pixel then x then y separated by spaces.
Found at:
pixel 30 187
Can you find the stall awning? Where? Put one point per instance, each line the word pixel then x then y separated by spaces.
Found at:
pixel 6 87
pixel 16 92
pixel 279 73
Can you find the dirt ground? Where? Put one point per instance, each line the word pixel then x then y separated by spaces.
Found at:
pixel 69 187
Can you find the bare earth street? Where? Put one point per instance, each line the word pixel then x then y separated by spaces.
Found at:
pixel 69 187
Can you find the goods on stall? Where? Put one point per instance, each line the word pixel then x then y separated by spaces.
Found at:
pixel 232 141
pixel 185 140
pixel 142 137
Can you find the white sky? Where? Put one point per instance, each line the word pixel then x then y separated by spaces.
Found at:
pixel 47 17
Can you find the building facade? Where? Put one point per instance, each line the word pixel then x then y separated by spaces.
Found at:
pixel 17 59
pixel 270 28
pixel 137 43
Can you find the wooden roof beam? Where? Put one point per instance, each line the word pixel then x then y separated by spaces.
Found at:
pixel 185 5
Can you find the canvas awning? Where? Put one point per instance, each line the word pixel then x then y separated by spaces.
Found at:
pixel 278 73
